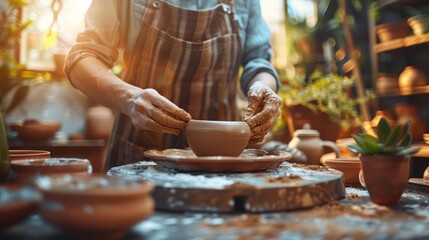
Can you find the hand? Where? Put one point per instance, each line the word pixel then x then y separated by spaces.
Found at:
pixel 262 110
pixel 149 110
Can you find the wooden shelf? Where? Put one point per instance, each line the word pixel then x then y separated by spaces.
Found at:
pixel 402 43
pixel 404 91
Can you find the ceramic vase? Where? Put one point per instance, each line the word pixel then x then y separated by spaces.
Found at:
pixel 419 24
pixel 412 77
pixel 386 177
pixel 390 31
pixel 99 122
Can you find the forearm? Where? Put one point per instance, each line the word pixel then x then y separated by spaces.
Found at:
pixel 95 80
pixel 265 78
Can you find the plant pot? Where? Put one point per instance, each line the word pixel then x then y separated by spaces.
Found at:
pixel 299 115
pixel 390 31
pixel 412 77
pixel 419 24
pixel 385 177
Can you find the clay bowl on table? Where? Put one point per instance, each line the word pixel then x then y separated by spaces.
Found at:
pixel 36 130
pixel 25 170
pixel 94 206
pixel 217 138
pixel 28 154
pixel 350 166
pixel 16 203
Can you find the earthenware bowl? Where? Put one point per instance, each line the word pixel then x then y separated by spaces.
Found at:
pixel 16 203
pixel 350 166
pixel 28 154
pixel 94 206
pixel 25 170
pixel 217 138
pixel 37 130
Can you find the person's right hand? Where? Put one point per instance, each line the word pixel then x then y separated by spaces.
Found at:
pixel 149 110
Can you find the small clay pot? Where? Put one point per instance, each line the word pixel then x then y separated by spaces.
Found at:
pixel 37 130
pixel 26 170
pixel 419 24
pixel 217 138
pixel 426 175
pixel 386 82
pixel 28 154
pixel 390 31
pixel 385 177
pixel 99 122
pixel 412 77
pixel 350 166
pixel 94 206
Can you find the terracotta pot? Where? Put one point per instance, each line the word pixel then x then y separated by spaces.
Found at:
pixel 390 31
pixel 405 112
pixel 37 130
pixel 299 115
pixel 419 24
pixel 26 170
pixel 308 141
pixel 350 166
pixel 412 77
pixel 217 138
pixel 28 154
pixel 386 82
pixel 385 177
pixel 94 206
pixel 426 175
pixel 99 122
pixel 16 203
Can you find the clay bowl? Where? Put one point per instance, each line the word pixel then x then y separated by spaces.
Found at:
pixel 217 138
pixel 25 170
pixel 28 154
pixel 36 130
pixel 350 166
pixel 16 203
pixel 94 206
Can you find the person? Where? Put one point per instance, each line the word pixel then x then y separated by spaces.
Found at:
pixel 181 60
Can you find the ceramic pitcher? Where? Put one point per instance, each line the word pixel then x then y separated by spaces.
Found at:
pixel 309 142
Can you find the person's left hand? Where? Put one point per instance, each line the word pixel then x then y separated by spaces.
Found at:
pixel 262 110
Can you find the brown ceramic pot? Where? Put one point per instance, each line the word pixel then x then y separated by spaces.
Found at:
pixel 37 130
pixel 419 24
pixel 16 203
pixel 25 170
pixel 390 31
pixel 99 122
pixel 217 138
pixel 308 141
pixel 94 206
pixel 386 82
pixel 28 154
pixel 385 177
pixel 412 77
pixel 426 175
pixel 350 166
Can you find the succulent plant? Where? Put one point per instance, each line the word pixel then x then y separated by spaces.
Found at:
pixel 389 141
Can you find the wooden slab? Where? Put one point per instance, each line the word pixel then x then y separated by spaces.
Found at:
pixel 288 187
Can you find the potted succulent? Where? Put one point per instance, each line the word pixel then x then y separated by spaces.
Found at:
pixel 385 160
pixel 324 101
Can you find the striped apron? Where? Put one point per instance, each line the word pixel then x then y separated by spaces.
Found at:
pixel 192 58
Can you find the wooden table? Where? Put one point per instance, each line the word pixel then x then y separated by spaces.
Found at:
pixel 93 150
pixel 354 217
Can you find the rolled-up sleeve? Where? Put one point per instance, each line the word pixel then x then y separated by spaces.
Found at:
pixel 257 47
pixel 101 37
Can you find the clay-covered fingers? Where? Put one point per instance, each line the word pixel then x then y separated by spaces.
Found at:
pixel 151 111
pixel 262 111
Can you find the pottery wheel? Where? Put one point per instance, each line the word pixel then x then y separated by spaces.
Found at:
pixel 288 187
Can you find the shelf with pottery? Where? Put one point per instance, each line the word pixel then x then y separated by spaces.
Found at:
pixel 403 91
pixel 401 43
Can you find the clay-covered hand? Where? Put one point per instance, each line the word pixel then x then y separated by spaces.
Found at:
pixel 149 110
pixel 262 110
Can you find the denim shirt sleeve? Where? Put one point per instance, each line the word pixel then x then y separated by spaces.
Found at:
pixel 257 44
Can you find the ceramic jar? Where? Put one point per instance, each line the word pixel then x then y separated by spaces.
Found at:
pixel 419 24
pixel 309 142
pixel 406 112
pixel 99 122
pixel 412 77
pixel 390 31
pixel 386 82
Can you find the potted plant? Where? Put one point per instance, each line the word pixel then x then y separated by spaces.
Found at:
pixel 385 160
pixel 324 101
pixel 419 19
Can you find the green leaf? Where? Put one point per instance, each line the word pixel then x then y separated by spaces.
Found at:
pixel 409 151
pixel 368 146
pixel 406 141
pixel 383 129
pixel 353 147
pixel 393 135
